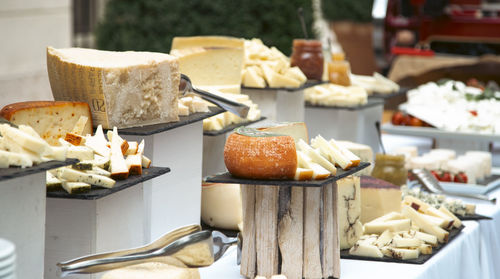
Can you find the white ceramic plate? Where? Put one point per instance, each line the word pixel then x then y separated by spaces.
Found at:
pixel 7 249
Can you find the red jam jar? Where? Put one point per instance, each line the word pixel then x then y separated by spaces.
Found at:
pixel 308 56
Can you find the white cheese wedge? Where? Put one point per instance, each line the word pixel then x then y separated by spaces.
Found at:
pixel 316 157
pixel 366 250
pixel 183 109
pixel 303 174
pixel 392 225
pixel 58 153
pixel 118 167
pixel 436 213
pixel 80 152
pixel 79 176
pixel 334 155
pixel 424 224
pixel 349 211
pixel 4 159
pixel 296 73
pixel 435 220
pixel 427 238
pixel 123 142
pixel 252 79
pixel 456 222
pixel 23 139
pixel 17 159
pixel 98 142
pixel 99 171
pixel 346 152
pixel 134 164
pixel 132 148
pixel 52 182
pixel 389 216
pixel 416 203
pixel 384 239
pixel 304 161
pixel 75 187
pixel 146 162
pixel 425 249
pixel 363 151
pixel 9 144
pixel 399 253
pixel 400 242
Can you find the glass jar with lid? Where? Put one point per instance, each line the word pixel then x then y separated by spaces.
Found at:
pixel 390 168
pixel 339 70
pixel 308 56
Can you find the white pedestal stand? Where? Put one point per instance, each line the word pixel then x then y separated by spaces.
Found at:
pixel 22 221
pixel 353 124
pixel 81 227
pixel 278 105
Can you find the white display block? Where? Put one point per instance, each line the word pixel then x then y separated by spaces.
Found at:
pixel 213 154
pixel 341 124
pixel 278 105
pixel 22 221
pixel 174 200
pixel 77 228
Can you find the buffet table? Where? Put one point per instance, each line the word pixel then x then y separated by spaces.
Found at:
pixel 472 254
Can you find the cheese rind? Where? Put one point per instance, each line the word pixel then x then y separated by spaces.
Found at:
pixel 378 198
pixel 123 89
pixel 221 206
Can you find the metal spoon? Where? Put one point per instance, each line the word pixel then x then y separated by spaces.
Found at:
pixel 222 243
pixel 186 86
pixel 431 184
pixel 103 264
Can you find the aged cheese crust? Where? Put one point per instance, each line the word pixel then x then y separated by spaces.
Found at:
pixel 254 157
pixel 123 89
pixel 50 119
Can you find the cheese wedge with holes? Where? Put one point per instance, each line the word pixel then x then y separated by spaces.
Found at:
pixel 123 89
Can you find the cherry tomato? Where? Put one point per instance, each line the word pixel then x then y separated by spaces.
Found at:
pixel 406 120
pixel 415 122
pixel 460 178
pixel 473 112
pixel 435 174
pixel 397 118
pixel 446 177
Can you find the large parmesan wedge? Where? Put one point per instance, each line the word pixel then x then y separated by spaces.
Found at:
pixel 124 89
pixel 424 224
pixel 119 169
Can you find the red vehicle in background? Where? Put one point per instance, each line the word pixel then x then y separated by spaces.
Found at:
pixel 422 27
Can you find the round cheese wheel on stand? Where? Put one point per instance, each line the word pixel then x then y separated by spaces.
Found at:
pixel 253 154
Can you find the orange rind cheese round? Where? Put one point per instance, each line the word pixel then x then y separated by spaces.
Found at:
pixel 253 154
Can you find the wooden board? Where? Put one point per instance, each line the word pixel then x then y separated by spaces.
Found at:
pixel 312 259
pixel 266 230
pixel 248 254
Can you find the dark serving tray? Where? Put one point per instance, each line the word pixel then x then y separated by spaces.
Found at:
pixel 15 172
pixel 99 192
pixel 302 87
pixel 370 103
pixel 231 127
pixel 228 178
pixel 344 254
pixel 183 120
pixel 401 91
pixel 474 217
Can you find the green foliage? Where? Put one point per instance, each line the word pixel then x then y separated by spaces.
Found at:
pixel 350 10
pixel 150 25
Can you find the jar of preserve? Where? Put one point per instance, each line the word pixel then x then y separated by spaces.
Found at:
pixel 339 70
pixel 308 56
pixel 390 168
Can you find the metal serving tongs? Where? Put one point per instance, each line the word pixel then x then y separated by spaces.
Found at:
pixel 207 248
pixel 186 86
pixel 431 184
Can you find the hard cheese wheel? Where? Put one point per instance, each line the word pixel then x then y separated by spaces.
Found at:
pixel 254 154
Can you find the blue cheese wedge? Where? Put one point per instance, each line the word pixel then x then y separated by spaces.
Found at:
pixel 69 174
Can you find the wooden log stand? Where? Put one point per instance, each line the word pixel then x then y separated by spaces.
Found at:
pixel 290 230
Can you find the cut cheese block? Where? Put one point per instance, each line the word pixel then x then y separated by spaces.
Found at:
pixel 400 242
pixel 378 198
pixel 316 157
pixel 228 88
pixel 389 216
pixel 384 239
pixel 392 225
pixel 365 250
pixel 50 119
pixel 333 154
pixel 207 41
pixel 456 222
pixel 75 187
pixel 401 254
pixel 253 154
pixel 78 176
pixel 123 89
pixel 119 168
pixel 211 65
pixel 424 224
pixel 221 206
pixel 349 211
pixel 363 151
pixel 278 80
pixel 297 130
pixel 251 78
pixel 303 174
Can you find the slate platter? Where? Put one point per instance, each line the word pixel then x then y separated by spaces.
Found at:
pixel 231 128
pixel 183 120
pixel 401 91
pixel 291 90
pixel 15 172
pixel 228 178
pixel 474 217
pixel 99 192
pixel 344 254
pixel 370 103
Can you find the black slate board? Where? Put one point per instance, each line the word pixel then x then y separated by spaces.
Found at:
pixel 370 103
pixel 99 192
pixel 231 128
pixel 344 254
pixel 474 217
pixel 401 91
pixel 303 86
pixel 15 172
pixel 228 178
pixel 183 120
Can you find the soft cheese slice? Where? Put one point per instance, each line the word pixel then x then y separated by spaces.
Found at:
pixel 363 151
pixel 99 171
pixel 366 250
pixel 98 143
pixel 389 216
pixel 349 211
pixel 384 239
pixel 119 168
pixel 132 148
pixel 69 174
pixel 252 79
pixel 303 174
pixel 80 152
pixel 27 141
pixel 334 155
pixel 399 253
pixel 124 89
pixel 427 238
pixel 400 242
pixel 425 249
pixel 436 213
pixel 304 161
pixel 456 222
pixel 347 153
pixel 123 143
pixel 424 224
pixel 53 183
pixel 392 225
